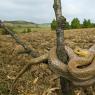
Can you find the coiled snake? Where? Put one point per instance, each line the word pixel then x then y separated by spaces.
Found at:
pixel 81 66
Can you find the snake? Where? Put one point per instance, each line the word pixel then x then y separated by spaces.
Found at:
pixel 80 68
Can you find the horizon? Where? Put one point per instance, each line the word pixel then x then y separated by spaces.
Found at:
pixel 81 22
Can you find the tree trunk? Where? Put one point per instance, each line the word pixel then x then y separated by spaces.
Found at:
pixel 61 53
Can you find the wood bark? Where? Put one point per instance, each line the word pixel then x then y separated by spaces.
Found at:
pixel 61 52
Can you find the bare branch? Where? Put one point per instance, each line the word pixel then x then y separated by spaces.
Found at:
pixel 34 61
pixel 61 52
pixel 18 40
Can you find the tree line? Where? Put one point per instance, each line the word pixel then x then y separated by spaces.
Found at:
pixel 75 24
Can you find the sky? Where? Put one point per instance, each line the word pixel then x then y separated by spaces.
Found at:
pixel 41 11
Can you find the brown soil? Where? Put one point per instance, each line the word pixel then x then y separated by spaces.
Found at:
pixel 40 80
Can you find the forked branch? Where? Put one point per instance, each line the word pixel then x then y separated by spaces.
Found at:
pixel 34 61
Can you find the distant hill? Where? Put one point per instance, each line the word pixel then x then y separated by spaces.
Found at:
pixel 23 23
pixel 19 22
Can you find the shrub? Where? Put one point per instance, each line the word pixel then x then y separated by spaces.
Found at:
pixel 75 23
pixel 28 30
pixel 87 24
pixel 54 24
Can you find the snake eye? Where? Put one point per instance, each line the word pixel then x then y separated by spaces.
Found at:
pixel 78 50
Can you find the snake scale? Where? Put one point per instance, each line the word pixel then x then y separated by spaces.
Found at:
pixel 81 66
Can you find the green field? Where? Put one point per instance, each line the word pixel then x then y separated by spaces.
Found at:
pixel 25 27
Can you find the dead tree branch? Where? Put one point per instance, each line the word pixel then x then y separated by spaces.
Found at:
pixel 61 52
pixel 34 61
pixel 18 40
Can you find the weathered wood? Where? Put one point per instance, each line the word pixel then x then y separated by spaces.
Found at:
pixel 61 52
pixel 19 41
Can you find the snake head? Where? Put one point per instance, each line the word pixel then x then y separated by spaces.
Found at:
pixel 81 52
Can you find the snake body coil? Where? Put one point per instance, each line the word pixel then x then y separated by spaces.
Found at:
pixel 80 69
